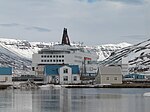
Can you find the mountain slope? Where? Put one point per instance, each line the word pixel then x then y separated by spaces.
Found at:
pixel 18 53
pixel 138 56
pixel 25 49
pixel 104 51
pixel 8 58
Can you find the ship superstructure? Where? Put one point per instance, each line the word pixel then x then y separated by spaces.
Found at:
pixel 62 54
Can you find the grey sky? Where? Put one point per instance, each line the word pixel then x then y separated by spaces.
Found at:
pixel 93 22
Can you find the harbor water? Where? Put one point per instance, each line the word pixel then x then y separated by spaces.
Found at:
pixel 75 100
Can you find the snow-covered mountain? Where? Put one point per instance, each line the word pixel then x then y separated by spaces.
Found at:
pixel 104 51
pixel 25 49
pixel 22 48
pixel 18 53
pixel 138 56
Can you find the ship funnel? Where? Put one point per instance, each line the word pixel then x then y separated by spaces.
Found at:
pixel 65 38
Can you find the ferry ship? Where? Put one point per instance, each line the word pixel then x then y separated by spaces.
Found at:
pixel 63 54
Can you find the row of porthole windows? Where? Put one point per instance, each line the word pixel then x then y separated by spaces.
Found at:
pixel 52 56
pixel 52 60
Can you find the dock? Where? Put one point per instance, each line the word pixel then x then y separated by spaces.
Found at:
pixel 139 85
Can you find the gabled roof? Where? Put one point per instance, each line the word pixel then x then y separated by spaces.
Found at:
pixel 53 69
pixel 75 68
pixel 110 70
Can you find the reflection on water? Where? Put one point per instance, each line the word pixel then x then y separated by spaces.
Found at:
pixel 75 100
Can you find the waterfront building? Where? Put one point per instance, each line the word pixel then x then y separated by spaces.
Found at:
pixel 62 74
pixel 64 55
pixel 147 73
pixel 6 75
pixel 134 76
pixel 109 75
pixel 122 62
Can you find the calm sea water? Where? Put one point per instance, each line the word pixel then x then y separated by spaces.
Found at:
pixel 75 100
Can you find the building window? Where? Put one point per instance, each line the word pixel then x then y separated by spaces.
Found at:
pixel 41 56
pixel 59 56
pixel 65 70
pixel 56 56
pixel 62 60
pixel 50 60
pixel 47 60
pixel 53 60
pixel 65 78
pixel 115 78
pixel 44 56
pixel 59 60
pixel 50 56
pixel 53 56
pixel 56 60
pixel 41 60
pixel 47 56
pixel 107 78
pixel 44 60
pixel 75 78
pixel 62 56
pixel 32 68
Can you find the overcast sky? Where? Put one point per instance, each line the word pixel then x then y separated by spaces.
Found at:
pixel 93 22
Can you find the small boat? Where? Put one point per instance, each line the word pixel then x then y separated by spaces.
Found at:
pixel 146 94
